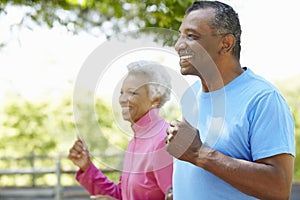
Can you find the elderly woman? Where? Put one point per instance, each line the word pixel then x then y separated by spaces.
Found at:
pixel 147 170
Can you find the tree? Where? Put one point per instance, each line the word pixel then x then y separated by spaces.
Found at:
pixel 105 16
pixel 290 89
pixel 48 127
pixel 35 129
pixel 24 129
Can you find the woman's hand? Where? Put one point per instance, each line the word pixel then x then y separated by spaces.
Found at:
pixel 79 155
pixel 169 194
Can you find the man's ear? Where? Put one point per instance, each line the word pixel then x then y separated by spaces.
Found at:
pixel 228 42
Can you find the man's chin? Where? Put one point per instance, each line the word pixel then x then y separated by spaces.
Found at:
pixel 185 70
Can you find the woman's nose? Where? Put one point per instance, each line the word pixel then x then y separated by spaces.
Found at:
pixel 123 98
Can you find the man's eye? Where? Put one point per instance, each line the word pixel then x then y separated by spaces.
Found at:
pixel 192 36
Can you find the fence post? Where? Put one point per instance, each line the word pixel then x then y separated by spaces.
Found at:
pixel 58 188
pixel 32 165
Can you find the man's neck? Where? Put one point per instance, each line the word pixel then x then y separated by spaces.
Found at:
pixel 223 75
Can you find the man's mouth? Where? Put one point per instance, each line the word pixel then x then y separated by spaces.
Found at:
pixel 185 55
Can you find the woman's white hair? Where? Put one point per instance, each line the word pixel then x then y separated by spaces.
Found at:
pixel 159 81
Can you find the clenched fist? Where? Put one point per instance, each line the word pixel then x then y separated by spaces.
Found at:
pixel 183 141
pixel 79 155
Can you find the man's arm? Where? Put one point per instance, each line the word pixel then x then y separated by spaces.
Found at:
pixel 268 178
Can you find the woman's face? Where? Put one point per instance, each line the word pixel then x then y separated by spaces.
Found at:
pixel 134 98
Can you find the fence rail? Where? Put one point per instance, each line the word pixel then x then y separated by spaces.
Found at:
pixel 57 191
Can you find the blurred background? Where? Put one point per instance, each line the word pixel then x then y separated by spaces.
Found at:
pixel 43 45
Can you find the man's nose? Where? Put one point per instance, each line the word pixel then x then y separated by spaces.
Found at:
pixel 180 44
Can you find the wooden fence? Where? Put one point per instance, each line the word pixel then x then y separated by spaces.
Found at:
pixel 56 191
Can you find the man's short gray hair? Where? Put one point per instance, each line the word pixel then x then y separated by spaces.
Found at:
pixel 159 80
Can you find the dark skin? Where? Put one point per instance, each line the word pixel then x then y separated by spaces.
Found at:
pixel 268 178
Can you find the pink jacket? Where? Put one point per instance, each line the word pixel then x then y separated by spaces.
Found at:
pixel 147 170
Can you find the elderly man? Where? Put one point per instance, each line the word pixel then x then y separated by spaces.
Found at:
pixel 236 140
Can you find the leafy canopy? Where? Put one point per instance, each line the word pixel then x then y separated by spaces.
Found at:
pixel 105 16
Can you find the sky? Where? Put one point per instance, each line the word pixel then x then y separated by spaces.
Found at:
pixel 41 63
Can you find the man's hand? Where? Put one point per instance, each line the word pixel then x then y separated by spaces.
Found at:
pixel 183 141
pixel 79 155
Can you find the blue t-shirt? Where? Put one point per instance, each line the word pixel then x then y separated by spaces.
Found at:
pixel 247 119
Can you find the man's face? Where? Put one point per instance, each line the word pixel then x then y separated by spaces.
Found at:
pixel 198 45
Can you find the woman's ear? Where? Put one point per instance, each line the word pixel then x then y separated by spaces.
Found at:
pixel 155 102
pixel 228 42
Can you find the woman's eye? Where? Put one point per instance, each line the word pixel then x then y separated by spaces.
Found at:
pixel 132 93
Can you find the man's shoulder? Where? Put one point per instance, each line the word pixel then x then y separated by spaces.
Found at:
pixel 255 84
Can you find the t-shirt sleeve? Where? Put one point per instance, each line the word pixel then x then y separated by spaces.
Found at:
pixel 271 127
pixel 96 183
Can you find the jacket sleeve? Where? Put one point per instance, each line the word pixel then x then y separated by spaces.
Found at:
pixel 96 183
pixel 163 167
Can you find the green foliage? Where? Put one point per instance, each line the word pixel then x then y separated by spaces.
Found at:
pixel 89 127
pixel 97 126
pixel 90 14
pixel 171 112
pixel 47 127
pixel 290 90
pixel 24 129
